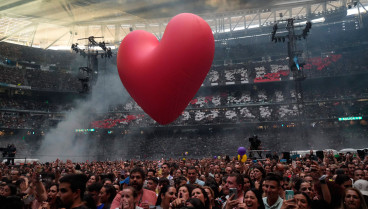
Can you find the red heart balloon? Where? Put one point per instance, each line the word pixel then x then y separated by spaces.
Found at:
pixel 162 77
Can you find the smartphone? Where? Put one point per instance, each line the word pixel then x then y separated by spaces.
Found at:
pixel 233 191
pixel 289 194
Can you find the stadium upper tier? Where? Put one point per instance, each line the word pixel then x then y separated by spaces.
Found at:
pixel 47 24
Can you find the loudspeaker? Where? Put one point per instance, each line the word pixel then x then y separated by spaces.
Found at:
pixel 320 154
pixel 361 154
pixel 286 155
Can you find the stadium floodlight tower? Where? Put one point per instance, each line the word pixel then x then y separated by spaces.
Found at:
pixel 294 54
pixel 88 75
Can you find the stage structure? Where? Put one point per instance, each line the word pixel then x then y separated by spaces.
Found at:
pixel 294 57
pixel 88 75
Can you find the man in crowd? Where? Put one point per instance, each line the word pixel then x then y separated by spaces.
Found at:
pixel 145 197
pixel 152 184
pixel 358 174
pixel 71 190
pixel 272 189
pixel 166 171
pixel 192 176
pixel 234 181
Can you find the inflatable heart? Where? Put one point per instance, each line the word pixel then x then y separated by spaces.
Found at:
pixel 162 77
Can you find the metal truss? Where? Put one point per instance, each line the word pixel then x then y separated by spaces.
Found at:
pixel 36 33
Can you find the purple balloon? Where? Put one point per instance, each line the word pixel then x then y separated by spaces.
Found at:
pixel 241 151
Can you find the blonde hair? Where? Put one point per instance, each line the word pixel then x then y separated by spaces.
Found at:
pixel 363 204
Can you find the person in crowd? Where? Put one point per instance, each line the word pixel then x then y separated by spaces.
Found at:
pixel 362 186
pixel 166 197
pixel 9 190
pixel 353 199
pixel 128 198
pixel 71 191
pixel 93 179
pixel 53 201
pixel 184 193
pixel 211 196
pixel 192 176
pixel 145 197
pixel 343 181
pixel 253 199
pixel 94 190
pixel 300 201
pixel 358 174
pixel 248 183
pixel 107 195
pixel 194 203
pixel 259 174
pixel 272 190
pixel 201 194
pixel 234 181
pixel 166 171
pixel 152 183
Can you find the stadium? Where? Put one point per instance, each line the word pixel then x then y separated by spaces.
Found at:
pixel 61 96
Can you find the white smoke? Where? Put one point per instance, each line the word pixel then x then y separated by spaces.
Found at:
pixel 63 142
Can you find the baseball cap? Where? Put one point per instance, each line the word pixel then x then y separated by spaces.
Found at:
pixel 125 181
pixel 362 185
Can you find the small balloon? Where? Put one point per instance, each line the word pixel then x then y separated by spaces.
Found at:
pixel 186 153
pixel 241 151
pixel 214 157
pixel 244 158
pixel 219 157
pixel 183 158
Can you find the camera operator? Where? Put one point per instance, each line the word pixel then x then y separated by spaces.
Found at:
pixel 255 144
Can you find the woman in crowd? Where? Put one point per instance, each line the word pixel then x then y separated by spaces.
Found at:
pixel 128 198
pixel 300 201
pixel 183 195
pixel 353 199
pixel 211 198
pixel 9 190
pixel 258 174
pixel 93 179
pixel 166 197
pixel 107 195
pixel 253 199
pixel 305 187
pixel 248 183
pixel 53 201
pixel 195 203
pixel 201 194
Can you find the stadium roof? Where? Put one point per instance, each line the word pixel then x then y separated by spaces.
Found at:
pixel 59 23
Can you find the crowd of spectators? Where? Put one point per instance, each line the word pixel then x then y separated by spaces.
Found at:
pixel 311 181
pixel 251 72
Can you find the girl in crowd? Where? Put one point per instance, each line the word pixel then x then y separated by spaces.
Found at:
pixel 166 197
pixel 128 198
pixel 353 199
pixel 201 194
pixel 248 183
pixel 195 203
pixel 211 197
pixel 300 201
pixel 253 199
pixel 9 190
pixel 258 174
pixel 107 195
pixel 93 179
pixel 53 200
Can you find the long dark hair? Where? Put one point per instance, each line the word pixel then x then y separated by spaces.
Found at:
pixel 162 192
pixel 258 196
pixel 206 199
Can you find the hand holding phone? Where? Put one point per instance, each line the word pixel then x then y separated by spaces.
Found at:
pixel 233 191
pixel 289 194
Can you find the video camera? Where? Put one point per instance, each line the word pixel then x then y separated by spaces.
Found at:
pixel 254 142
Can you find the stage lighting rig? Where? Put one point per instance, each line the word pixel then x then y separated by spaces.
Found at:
pixel 295 66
